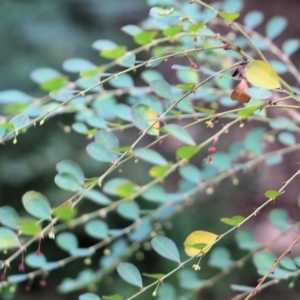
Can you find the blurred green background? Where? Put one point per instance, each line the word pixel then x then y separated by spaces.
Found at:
pixel 44 33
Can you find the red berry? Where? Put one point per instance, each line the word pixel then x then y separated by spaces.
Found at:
pixel 212 149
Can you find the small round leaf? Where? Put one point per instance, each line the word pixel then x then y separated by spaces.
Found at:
pixel 37 205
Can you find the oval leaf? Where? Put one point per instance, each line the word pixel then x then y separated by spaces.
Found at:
pixel 161 88
pixel 67 182
pixel 97 229
pixel 150 156
pixel 37 205
pixel 8 239
pixel 143 116
pixel 130 274
pixel 89 296
pixel 68 166
pixel 9 217
pixel 262 75
pixel 30 227
pixel 166 248
pixel 272 194
pixel 197 241
pixel 129 210
pixel 179 133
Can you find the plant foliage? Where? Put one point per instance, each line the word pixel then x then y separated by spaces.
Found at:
pixel 159 125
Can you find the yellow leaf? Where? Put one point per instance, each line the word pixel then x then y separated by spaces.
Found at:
pixel 262 75
pixel 197 241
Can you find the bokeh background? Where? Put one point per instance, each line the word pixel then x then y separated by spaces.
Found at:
pixel 38 33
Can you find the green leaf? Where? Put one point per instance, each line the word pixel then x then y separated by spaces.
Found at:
pixel 205 110
pixel 220 258
pixel 15 279
pixel 173 30
pixel 107 139
pixel 126 190
pixel 228 16
pixel 14 97
pixel 144 37
pixel 113 53
pixel 274 160
pixel 245 240
pixel 97 229
pixel 143 116
pixel 37 205
pixel 76 65
pixel 189 280
pixel 151 75
pixel 191 173
pixel 100 153
pixel 246 111
pixel 196 27
pixel 258 93
pixel 241 288
pixel 159 171
pixel 131 29
pixel 35 261
pixel 54 84
pixel 150 156
pixel 272 194
pixel 262 75
pixel 279 66
pixel 154 276
pixel 41 75
pixel 89 296
pixel 67 241
pixel 8 239
pixel 68 166
pixel 129 210
pixel 253 141
pixel 30 226
pixel 253 19
pixel 286 138
pixel 123 81
pixel 67 182
pixel 104 45
pixel 186 152
pixel 186 86
pixel 130 274
pixel 166 248
pixel 179 133
pixel 65 212
pixel 127 60
pixel 288 263
pixel 97 197
pixel 264 259
pixel 290 46
pixel 161 88
pixel 80 128
pixel 113 297
pixel 233 221
pixel 19 121
pixel 279 219
pixel 9 217
pixel 155 193
pixel 275 27
pixel 110 187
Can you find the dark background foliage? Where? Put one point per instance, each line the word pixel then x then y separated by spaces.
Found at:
pixel 36 33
